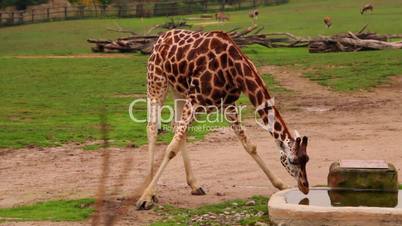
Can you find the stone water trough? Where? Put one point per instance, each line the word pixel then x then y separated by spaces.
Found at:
pixel 359 193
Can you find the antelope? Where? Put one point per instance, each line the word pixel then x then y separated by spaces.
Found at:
pixel 220 16
pixel 253 14
pixel 328 21
pixel 367 7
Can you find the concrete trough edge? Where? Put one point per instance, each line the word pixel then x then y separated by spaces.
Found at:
pixel 284 213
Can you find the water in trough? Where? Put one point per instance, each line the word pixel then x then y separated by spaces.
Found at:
pixel 333 197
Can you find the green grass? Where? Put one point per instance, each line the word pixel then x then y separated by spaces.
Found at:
pixel 301 17
pixel 92 147
pixel 339 71
pixel 64 37
pixel 54 101
pixel 60 210
pixel 174 216
pixel 48 102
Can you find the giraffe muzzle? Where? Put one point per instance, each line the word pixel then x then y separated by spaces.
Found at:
pixel 302 181
pixel 303 187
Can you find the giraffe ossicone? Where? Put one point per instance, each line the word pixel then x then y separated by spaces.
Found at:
pixel 209 69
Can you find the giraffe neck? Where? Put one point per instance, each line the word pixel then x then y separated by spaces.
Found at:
pixel 274 123
pixel 256 90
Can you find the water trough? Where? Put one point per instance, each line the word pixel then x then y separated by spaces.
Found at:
pixel 325 206
pixel 359 193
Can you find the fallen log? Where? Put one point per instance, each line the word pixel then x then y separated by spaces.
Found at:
pixel 351 42
pixel 248 36
pixel 345 42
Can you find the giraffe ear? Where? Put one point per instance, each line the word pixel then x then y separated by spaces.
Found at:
pixel 305 140
pixel 298 143
pixel 297 134
pixel 303 146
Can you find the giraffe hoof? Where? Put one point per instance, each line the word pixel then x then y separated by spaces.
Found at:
pixel 144 204
pixel 199 191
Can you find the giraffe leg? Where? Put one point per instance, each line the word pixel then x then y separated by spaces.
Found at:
pixel 152 133
pixel 252 149
pixel 145 201
pixel 156 94
pixel 191 180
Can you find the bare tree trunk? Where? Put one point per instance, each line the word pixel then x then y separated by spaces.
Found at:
pixel 353 42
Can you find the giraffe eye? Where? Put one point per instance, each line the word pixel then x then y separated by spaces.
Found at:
pixel 293 161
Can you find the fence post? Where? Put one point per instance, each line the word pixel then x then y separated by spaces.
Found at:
pixel 190 9
pixel 21 19
pixel 103 9
pixel 65 12
pixel 254 4
pixel 82 11
pixel 32 15
pixel 222 5
pixel 96 11
pixel 1 19
pixel 239 4
pixel 48 13
pixel 12 18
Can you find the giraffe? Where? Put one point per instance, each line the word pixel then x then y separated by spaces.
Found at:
pixel 208 69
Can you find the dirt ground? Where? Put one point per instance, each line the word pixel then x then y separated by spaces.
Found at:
pixel 361 125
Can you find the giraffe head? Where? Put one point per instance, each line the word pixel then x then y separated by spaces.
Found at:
pixel 294 158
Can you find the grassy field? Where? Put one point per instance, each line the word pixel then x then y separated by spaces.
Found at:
pixel 47 102
pixel 301 17
pixel 59 210
pixel 339 71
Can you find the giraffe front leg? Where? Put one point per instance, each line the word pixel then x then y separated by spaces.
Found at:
pixel 191 180
pixel 252 150
pixel 146 201
pixel 152 134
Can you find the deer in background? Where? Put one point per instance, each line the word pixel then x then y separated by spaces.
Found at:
pixel 220 16
pixel 253 14
pixel 367 7
pixel 328 21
